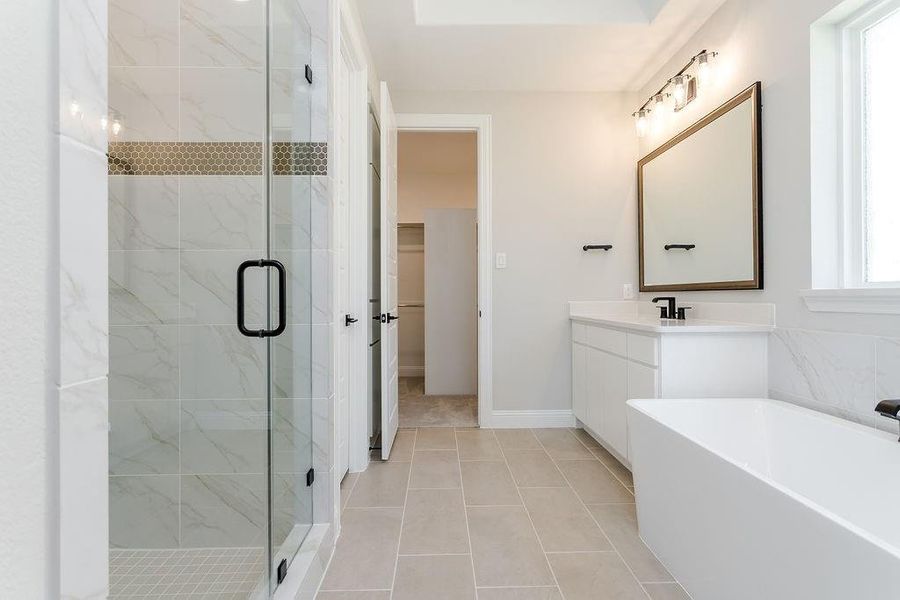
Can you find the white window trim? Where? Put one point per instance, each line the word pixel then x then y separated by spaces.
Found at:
pixel 856 295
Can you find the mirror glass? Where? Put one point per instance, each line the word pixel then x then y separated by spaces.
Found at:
pixel 700 204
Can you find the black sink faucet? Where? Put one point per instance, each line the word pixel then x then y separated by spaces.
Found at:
pixel 666 312
pixel 889 409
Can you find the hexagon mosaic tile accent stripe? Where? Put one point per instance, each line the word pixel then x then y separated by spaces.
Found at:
pixel 300 159
pixel 215 158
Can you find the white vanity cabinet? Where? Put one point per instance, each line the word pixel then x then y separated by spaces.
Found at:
pixel 614 361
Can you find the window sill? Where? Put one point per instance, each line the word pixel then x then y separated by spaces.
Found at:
pixel 876 301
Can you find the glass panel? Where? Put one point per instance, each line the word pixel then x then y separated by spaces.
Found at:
pixel 291 211
pixel 210 437
pixel 881 133
pixel 189 453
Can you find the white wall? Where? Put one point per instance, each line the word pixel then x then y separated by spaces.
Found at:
pixel 818 359
pixel 351 28
pixel 27 188
pixel 768 40
pixel 563 173
pixel 435 170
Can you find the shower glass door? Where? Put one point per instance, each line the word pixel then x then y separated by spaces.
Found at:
pixel 210 166
pixel 291 213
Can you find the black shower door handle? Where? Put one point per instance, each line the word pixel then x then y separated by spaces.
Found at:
pixel 262 263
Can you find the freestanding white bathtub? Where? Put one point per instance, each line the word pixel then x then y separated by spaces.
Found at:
pixel 763 500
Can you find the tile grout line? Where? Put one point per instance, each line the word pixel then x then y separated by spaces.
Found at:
pixel 605 466
pixel 462 489
pixel 591 515
pixel 528 514
pixel 403 511
pixel 597 458
pixel 630 489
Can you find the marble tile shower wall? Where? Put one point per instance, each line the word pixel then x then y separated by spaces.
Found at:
pixel 80 373
pixel 187 446
pixel 838 373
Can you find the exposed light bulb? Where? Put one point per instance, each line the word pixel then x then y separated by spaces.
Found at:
pixel 641 121
pixel 116 127
pixel 679 89
pixel 659 109
pixel 706 68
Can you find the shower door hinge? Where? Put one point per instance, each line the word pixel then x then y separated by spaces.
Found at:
pixel 308 73
pixel 282 570
pixel 310 477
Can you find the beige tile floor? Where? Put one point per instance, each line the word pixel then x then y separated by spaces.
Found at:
pixel 461 513
pixel 419 410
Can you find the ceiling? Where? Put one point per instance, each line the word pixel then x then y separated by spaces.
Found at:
pixel 527 45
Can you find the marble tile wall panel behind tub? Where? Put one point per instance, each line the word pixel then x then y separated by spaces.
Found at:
pixel 837 373
pixel 187 443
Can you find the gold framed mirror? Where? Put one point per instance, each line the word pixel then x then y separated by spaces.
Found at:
pixel 700 203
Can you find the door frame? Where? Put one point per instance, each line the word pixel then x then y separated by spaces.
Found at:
pixel 344 336
pixel 350 46
pixel 481 125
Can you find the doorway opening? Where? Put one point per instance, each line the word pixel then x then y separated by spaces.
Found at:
pixel 458 319
pixel 438 278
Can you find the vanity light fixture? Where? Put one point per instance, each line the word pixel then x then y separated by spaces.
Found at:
pixel 659 108
pixel 682 88
pixel 680 84
pixel 706 67
pixel 642 121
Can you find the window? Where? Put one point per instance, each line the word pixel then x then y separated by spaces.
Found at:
pixel 872 151
pixel 855 159
pixel 880 180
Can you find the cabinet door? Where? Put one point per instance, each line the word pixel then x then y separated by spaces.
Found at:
pixel 579 382
pixel 593 391
pixel 614 395
pixel 643 382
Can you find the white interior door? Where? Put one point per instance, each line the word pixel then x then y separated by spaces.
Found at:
pixel 342 287
pixel 390 364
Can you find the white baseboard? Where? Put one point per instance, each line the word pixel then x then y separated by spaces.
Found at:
pixel 412 371
pixel 529 419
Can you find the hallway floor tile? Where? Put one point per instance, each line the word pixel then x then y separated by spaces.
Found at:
pixel 462 513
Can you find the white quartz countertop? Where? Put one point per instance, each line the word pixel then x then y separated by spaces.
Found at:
pixel 705 318
pixel 656 325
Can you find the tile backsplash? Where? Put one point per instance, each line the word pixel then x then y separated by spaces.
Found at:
pixel 842 374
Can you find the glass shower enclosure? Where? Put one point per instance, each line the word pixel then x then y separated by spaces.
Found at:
pixel 210 297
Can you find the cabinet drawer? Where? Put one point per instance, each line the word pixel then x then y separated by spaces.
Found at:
pixel 579 333
pixel 643 348
pixel 601 338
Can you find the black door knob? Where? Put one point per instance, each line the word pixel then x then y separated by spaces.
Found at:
pixel 391 317
pixel 348 320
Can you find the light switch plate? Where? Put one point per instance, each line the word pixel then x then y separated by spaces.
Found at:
pixel 628 291
pixel 501 260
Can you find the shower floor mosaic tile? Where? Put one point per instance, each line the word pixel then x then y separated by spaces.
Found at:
pixel 187 574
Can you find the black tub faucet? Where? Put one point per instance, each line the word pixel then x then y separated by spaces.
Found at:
pixel 889 409
pixel 666 312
